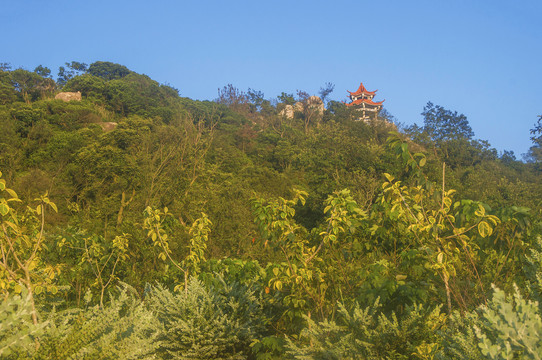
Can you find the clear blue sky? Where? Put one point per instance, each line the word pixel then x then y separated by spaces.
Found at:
pixel 481 58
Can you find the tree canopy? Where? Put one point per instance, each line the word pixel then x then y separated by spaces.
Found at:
pixel 442 124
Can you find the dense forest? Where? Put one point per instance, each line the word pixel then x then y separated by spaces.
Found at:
pixel 140 224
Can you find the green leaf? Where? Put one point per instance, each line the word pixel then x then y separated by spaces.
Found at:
pixel 4 209
pixel 481 211
pixel 12 193
pixel 484 229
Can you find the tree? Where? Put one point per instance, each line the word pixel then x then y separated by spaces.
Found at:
pixel 446 229
pixel 108 70
pixel 30 84
pixel 75 68
pixel 232 97
pixel 7 92
pixel 325 91
pixel 199 236
pixel 442 124
pixel 256 99
pixel 88 85
pixel 22 240
pixel 535 152
pixel 102 255
pixel 42 71
pixel 287 99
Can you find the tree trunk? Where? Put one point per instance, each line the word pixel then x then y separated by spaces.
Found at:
pixel 31 296
pixel 448 296
pixel 123 204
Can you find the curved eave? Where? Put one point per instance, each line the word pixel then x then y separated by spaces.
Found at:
pixel 362 90
pixel 365 101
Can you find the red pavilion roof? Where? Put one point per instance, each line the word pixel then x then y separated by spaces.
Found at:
pixel 362 90
pixel 367 101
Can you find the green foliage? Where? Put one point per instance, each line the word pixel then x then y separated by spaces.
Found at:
pixel 199 236
pixel 426 216
pixel 101 256
pixel 275 219
pixel 125 329
pixel 22 241
pixel 533 270
pixel 30 85
pixel 8 94
pixel 74 68
pixel 287 99
pixel 510 327
pixel 458 339
pixel 108 70
pixel 369 334
pixel 202 323
pixel 17 332
pixel 400 234
pixel 535 152
pixel 442 124
pixel 88 85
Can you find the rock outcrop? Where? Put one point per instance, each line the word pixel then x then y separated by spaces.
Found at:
pixel 299 106
pixel 69 96
pixel 312 105
pixel 108 126
pixel 287 112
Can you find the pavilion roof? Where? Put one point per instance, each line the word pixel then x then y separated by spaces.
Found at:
pixel 362 90
pixel 367 101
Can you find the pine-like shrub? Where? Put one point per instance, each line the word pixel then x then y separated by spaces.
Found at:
pixel 369 334
pixel 203 323
pixel 17 331
pixel 510 328
pixel 458 338
pixel 533 270
pixel 124 329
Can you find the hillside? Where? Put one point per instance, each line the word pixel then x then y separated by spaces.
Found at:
pixel 170 228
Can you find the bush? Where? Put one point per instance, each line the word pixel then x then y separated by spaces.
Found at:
pixel 206 324
pixel 370 334
pixel 124 329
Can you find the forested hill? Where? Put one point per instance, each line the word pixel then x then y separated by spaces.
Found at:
pixel 275 237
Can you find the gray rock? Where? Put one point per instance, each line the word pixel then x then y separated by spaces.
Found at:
pixel 288 112
pixel 108 126
pixel 69 96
